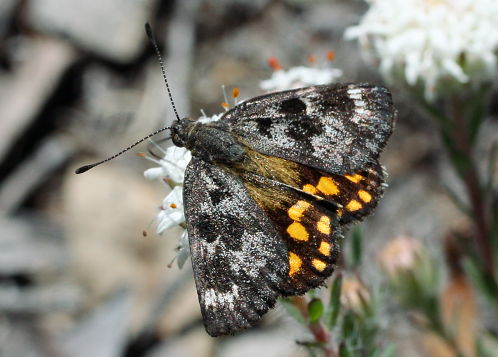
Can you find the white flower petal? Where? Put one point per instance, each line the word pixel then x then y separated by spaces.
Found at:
pixel 205 119
pixel 172 211
pixel 174 197
pixel 183 250
pixel 154 173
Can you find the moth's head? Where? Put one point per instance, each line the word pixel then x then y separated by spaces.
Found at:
pixel 180 130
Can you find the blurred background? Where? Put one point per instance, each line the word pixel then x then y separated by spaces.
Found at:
pixel 79 81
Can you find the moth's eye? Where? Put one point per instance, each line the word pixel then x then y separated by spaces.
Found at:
pixel 293 106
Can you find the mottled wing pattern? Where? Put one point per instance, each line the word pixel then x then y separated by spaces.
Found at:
pixel 238 257
pixel 308 225
pixel 336 128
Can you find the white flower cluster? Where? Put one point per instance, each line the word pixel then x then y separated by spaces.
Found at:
pixel 297 77
pixel 439 44
pixel 172 169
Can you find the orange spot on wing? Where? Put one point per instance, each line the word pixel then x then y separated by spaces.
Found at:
pixel 325 248
pixel 353 205
pixel 364 196
pixel 318 264
pixel 310 189
pixel 323 225
pixel 296 211
pixel 173 205
pixel 295 263
pixel 298 232
pixel 311 59
pixel 327 186
pixel 354 178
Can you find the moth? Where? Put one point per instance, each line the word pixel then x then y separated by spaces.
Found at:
pixel 270 188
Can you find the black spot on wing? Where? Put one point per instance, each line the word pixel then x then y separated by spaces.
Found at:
pixel 293 106
pixel 221 193
pixel 264 126
pixel 305 128
pixel 207 227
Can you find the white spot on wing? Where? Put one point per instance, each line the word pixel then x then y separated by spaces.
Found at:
pixel 353 91
pixel 225 300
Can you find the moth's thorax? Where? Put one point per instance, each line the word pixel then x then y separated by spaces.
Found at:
pixel 211 142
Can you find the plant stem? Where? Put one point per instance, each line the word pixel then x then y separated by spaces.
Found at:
pixel 461 137
pixel 320 334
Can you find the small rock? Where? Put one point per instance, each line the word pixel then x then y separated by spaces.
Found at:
pixel 50 156
pixel 24 92
pixel 27 248
pixel 111 28
pixel 104 332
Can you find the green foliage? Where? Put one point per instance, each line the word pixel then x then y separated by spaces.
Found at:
pixel 315 310
pixel 334 305
pixel 356 247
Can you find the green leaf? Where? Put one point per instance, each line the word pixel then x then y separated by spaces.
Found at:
pixel 356 246
pixel 484 351
pixel 292 310
pixel 348 325
pixel 389 351
pixel 315 310
pixel 334 306
pixel 344 351
pixel 310 348
pixel 485 283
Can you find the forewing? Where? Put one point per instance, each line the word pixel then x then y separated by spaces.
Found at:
pixel 336 128
pixel 239 259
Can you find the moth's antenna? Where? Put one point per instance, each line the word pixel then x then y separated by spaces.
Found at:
pixel 150 35
pixel 85 168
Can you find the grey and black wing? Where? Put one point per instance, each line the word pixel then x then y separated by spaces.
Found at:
pixel 237 255
pixel 253 239
pixel 336 128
